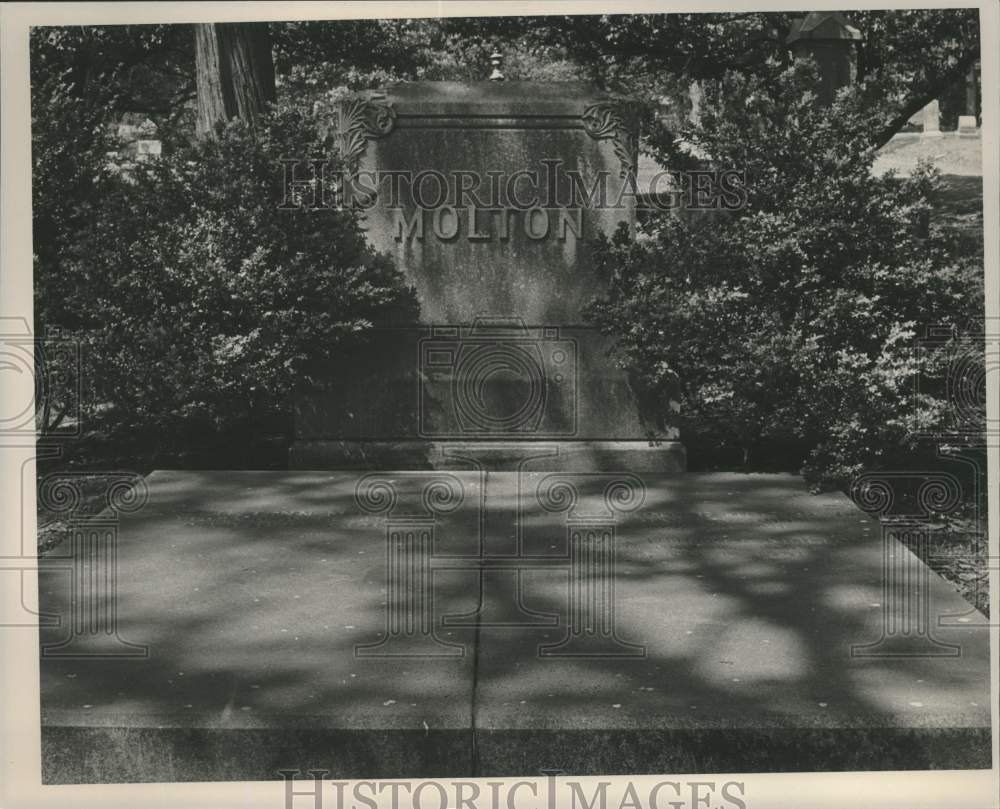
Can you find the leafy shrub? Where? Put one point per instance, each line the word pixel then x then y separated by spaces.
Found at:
pixel 790 324
pixel 200 305
pixel 71 141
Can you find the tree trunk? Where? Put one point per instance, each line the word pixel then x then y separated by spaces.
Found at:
pixel 235 72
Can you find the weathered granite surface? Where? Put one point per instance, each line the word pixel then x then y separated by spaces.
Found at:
pixel 537 267
pixel 488 195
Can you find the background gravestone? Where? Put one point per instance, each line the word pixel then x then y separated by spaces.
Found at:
pixel 488 195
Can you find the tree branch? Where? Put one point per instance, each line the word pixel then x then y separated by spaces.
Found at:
pixel 55 425
pixel 918 102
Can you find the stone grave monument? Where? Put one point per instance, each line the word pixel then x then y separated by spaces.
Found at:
pixel 488 195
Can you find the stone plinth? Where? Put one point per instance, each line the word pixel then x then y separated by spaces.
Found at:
pixel 967 127
pixel 932 120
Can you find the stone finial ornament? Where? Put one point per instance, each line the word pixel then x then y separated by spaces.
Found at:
pixel 496 59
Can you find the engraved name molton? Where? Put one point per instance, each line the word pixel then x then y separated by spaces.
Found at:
pixel 450 206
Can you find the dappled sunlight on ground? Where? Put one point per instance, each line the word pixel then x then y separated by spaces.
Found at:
pixel 736 601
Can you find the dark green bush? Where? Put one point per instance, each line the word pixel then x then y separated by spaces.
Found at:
pixel 199 304
pixel 790 325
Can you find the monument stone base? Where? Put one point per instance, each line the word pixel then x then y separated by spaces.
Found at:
pixel 662 457
pixel 419 397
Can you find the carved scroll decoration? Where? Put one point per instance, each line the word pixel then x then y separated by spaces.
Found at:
pixel 361 120
pixel 607 120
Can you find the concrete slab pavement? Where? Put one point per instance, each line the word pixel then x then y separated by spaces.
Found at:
pixel 746 594
pixel 736 599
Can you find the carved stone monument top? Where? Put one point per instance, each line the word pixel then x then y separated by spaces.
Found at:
pixel 488 194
